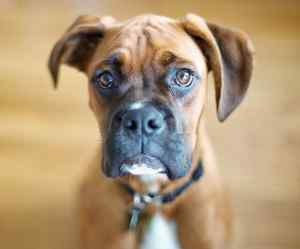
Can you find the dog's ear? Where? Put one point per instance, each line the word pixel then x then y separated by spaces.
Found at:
pixel 78 44
pixel 230 57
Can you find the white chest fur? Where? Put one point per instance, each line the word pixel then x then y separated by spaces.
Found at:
pixel 160 234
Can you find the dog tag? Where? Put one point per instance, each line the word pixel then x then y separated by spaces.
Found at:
pixel 134 217
pixel 136 210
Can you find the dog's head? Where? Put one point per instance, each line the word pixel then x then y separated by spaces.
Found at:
pixel 148 82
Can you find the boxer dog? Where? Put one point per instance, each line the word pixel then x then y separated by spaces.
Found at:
pixel 153 182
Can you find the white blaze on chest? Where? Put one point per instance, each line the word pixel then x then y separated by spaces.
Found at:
pixel 160 234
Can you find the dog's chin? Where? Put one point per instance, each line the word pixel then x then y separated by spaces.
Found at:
pixel 143 165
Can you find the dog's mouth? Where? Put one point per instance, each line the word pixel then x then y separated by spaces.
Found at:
pixel 142 165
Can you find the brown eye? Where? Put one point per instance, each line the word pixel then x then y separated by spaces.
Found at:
pixel 184 77
pixel 104 79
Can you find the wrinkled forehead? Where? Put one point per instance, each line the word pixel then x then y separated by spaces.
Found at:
pixel 147 39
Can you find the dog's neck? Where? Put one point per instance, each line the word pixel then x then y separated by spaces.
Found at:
pixel 159 184
pixel 152 182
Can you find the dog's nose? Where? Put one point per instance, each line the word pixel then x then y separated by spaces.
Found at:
pixel 146 120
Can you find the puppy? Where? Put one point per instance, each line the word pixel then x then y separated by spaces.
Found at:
pixel 153 182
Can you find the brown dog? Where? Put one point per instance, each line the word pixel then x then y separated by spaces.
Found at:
pixel 147 88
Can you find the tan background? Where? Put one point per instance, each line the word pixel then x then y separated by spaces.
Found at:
pixel 46 137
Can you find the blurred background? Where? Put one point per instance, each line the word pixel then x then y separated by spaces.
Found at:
pixel 47 137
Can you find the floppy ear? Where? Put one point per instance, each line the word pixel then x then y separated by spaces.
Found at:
pixel 77 45
pixel 230 57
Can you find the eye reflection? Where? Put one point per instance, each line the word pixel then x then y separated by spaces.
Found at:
pixel 184 77
pixel 103 79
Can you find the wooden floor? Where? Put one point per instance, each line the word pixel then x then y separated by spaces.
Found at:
pixel 46 136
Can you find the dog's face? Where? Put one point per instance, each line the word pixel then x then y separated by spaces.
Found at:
pixel 147 85
pixel 148 88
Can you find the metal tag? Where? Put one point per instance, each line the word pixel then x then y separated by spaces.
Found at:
pixel 139 203
pixel 136 210
pixel 134 217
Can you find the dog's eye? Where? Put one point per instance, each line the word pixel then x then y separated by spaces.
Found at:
pixel 103 79
pixel 184 77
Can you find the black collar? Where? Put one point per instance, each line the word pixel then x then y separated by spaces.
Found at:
pixel 141 200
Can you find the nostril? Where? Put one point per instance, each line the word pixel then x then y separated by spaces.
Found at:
pixel 154 124
pixel 130 125
pixel 119 119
